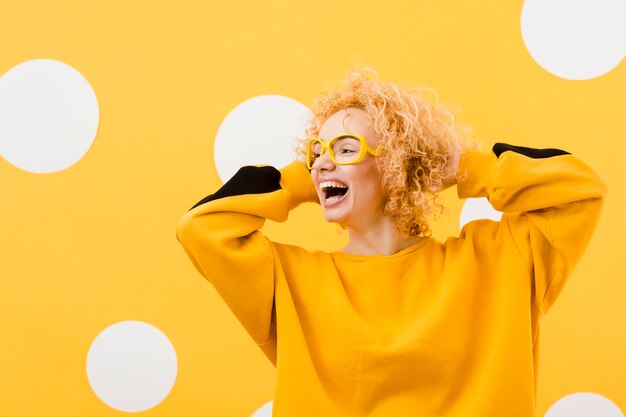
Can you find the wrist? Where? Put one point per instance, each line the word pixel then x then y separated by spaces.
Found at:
pixel 296 180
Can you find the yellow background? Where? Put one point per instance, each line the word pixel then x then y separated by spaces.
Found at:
pixel 94 244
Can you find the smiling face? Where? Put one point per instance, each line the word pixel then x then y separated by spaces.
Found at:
pixel 349 194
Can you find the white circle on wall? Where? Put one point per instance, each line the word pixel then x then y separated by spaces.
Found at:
pixel 131 366
pixel 575 39
pixel 264 411
pixel 260 130
pixel 476 209
pixel 48 116
pixel 584 404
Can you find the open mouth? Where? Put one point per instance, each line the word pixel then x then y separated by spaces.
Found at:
pixel 333 190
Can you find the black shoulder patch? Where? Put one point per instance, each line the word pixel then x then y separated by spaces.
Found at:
pixel 500 148
pixel 248 180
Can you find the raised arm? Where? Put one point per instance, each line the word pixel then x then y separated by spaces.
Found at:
pixel 220 235
pixel 551 203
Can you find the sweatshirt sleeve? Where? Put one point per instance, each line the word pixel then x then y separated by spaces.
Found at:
pixel 220 234
pixel 551 202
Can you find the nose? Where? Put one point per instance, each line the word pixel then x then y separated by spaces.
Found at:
pixel 324 163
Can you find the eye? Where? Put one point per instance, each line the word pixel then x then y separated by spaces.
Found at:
pixel 346 146
pixel 316 150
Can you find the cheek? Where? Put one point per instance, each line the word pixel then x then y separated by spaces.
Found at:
pixel 314 178
pixel 370 183
pixel 377 192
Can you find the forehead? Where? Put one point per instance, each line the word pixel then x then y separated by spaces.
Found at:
pixel 350 120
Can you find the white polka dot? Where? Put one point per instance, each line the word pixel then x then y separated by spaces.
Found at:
pixel 48 116
pixel 575 39
pixel 131 366
pixel 260 130
pixel 584 404
pixel 478 208
pixel 264 411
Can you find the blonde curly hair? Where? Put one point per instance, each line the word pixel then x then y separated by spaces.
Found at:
pixel 418 137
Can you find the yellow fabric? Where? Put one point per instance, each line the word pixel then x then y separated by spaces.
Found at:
pixel 437 329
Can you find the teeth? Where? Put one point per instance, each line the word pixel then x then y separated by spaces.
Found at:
pixel 327 184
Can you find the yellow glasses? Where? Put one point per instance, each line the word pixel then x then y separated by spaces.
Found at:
pixel 344 149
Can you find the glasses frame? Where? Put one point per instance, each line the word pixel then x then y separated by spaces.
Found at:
pixel 327 146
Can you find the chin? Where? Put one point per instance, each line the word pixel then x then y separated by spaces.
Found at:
pixel 332 219
pixel 329 216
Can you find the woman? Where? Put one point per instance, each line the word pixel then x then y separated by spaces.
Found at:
pixel 398 323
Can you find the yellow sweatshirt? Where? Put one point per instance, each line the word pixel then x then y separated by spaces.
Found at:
pixel 436 330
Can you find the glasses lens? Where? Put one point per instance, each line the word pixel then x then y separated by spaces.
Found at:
pixel 346 149
pixel 313 151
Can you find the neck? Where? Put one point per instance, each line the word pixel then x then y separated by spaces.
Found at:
pixel 380 238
